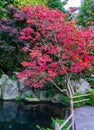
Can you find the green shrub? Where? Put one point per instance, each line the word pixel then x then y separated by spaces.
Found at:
pixel 65 101
pixel 91 101
pixel 88 102
pixel 90 79
pixel 60 121
pixel 79 104
pixel 56 4
pixel 14 78
pixel 4 3
pixel 18 98
pixel 29 96
pixel 30 2
pixel 50 93
pixel 86 13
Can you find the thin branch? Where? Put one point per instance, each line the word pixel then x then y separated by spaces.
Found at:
pixel 61 90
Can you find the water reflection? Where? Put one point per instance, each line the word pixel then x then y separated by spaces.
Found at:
pixel 21 116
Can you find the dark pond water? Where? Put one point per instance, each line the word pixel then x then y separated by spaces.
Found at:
pixel 22 116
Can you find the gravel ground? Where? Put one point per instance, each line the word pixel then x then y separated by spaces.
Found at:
pixel 84 118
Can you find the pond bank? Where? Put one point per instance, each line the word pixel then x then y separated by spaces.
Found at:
pixel 11 89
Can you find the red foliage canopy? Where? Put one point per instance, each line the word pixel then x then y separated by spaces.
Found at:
pixel 55 46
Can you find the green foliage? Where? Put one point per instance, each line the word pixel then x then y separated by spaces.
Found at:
pixel 3 6
pixel 4 3
pixel 53 124
pixel 42 128
pixel 79 98
pixel 88 102
pixel 86 13
pixel 14 78
pixel 60 81
pixel 65 101
pixel 17 99
pixel 48 85
pixel 56 4
pixel 30 96
pixel 10 44
pixel 50 93
pixel 30 2
pixel 91 101
pixel 60 122
pixel 90 79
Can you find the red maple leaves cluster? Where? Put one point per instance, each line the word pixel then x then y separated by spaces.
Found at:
pixel 55 46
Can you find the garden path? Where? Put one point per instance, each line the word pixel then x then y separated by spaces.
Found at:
pixel 84 118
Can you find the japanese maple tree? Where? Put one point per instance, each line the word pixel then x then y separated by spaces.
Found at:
pixel 55 46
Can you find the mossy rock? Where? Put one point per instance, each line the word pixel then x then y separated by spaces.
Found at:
pixel 32 99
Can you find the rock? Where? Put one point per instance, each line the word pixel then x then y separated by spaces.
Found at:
pixel 10 91
pixel 32 99
pixel 92 75
pixel 75 84
pixel 84 87
pixel 9 88
pixel 22 85
pixel 3 79
pixel 81 86
pixel 43 96
pixel 57 98
pixel 27 93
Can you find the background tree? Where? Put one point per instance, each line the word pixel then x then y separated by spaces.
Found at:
pixel 30 2
pixel 56 4
pixel 86 13
pixel 4 3
pixel 3 6
pixel 10 44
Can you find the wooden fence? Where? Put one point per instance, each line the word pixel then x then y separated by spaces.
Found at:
pixel 71 117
